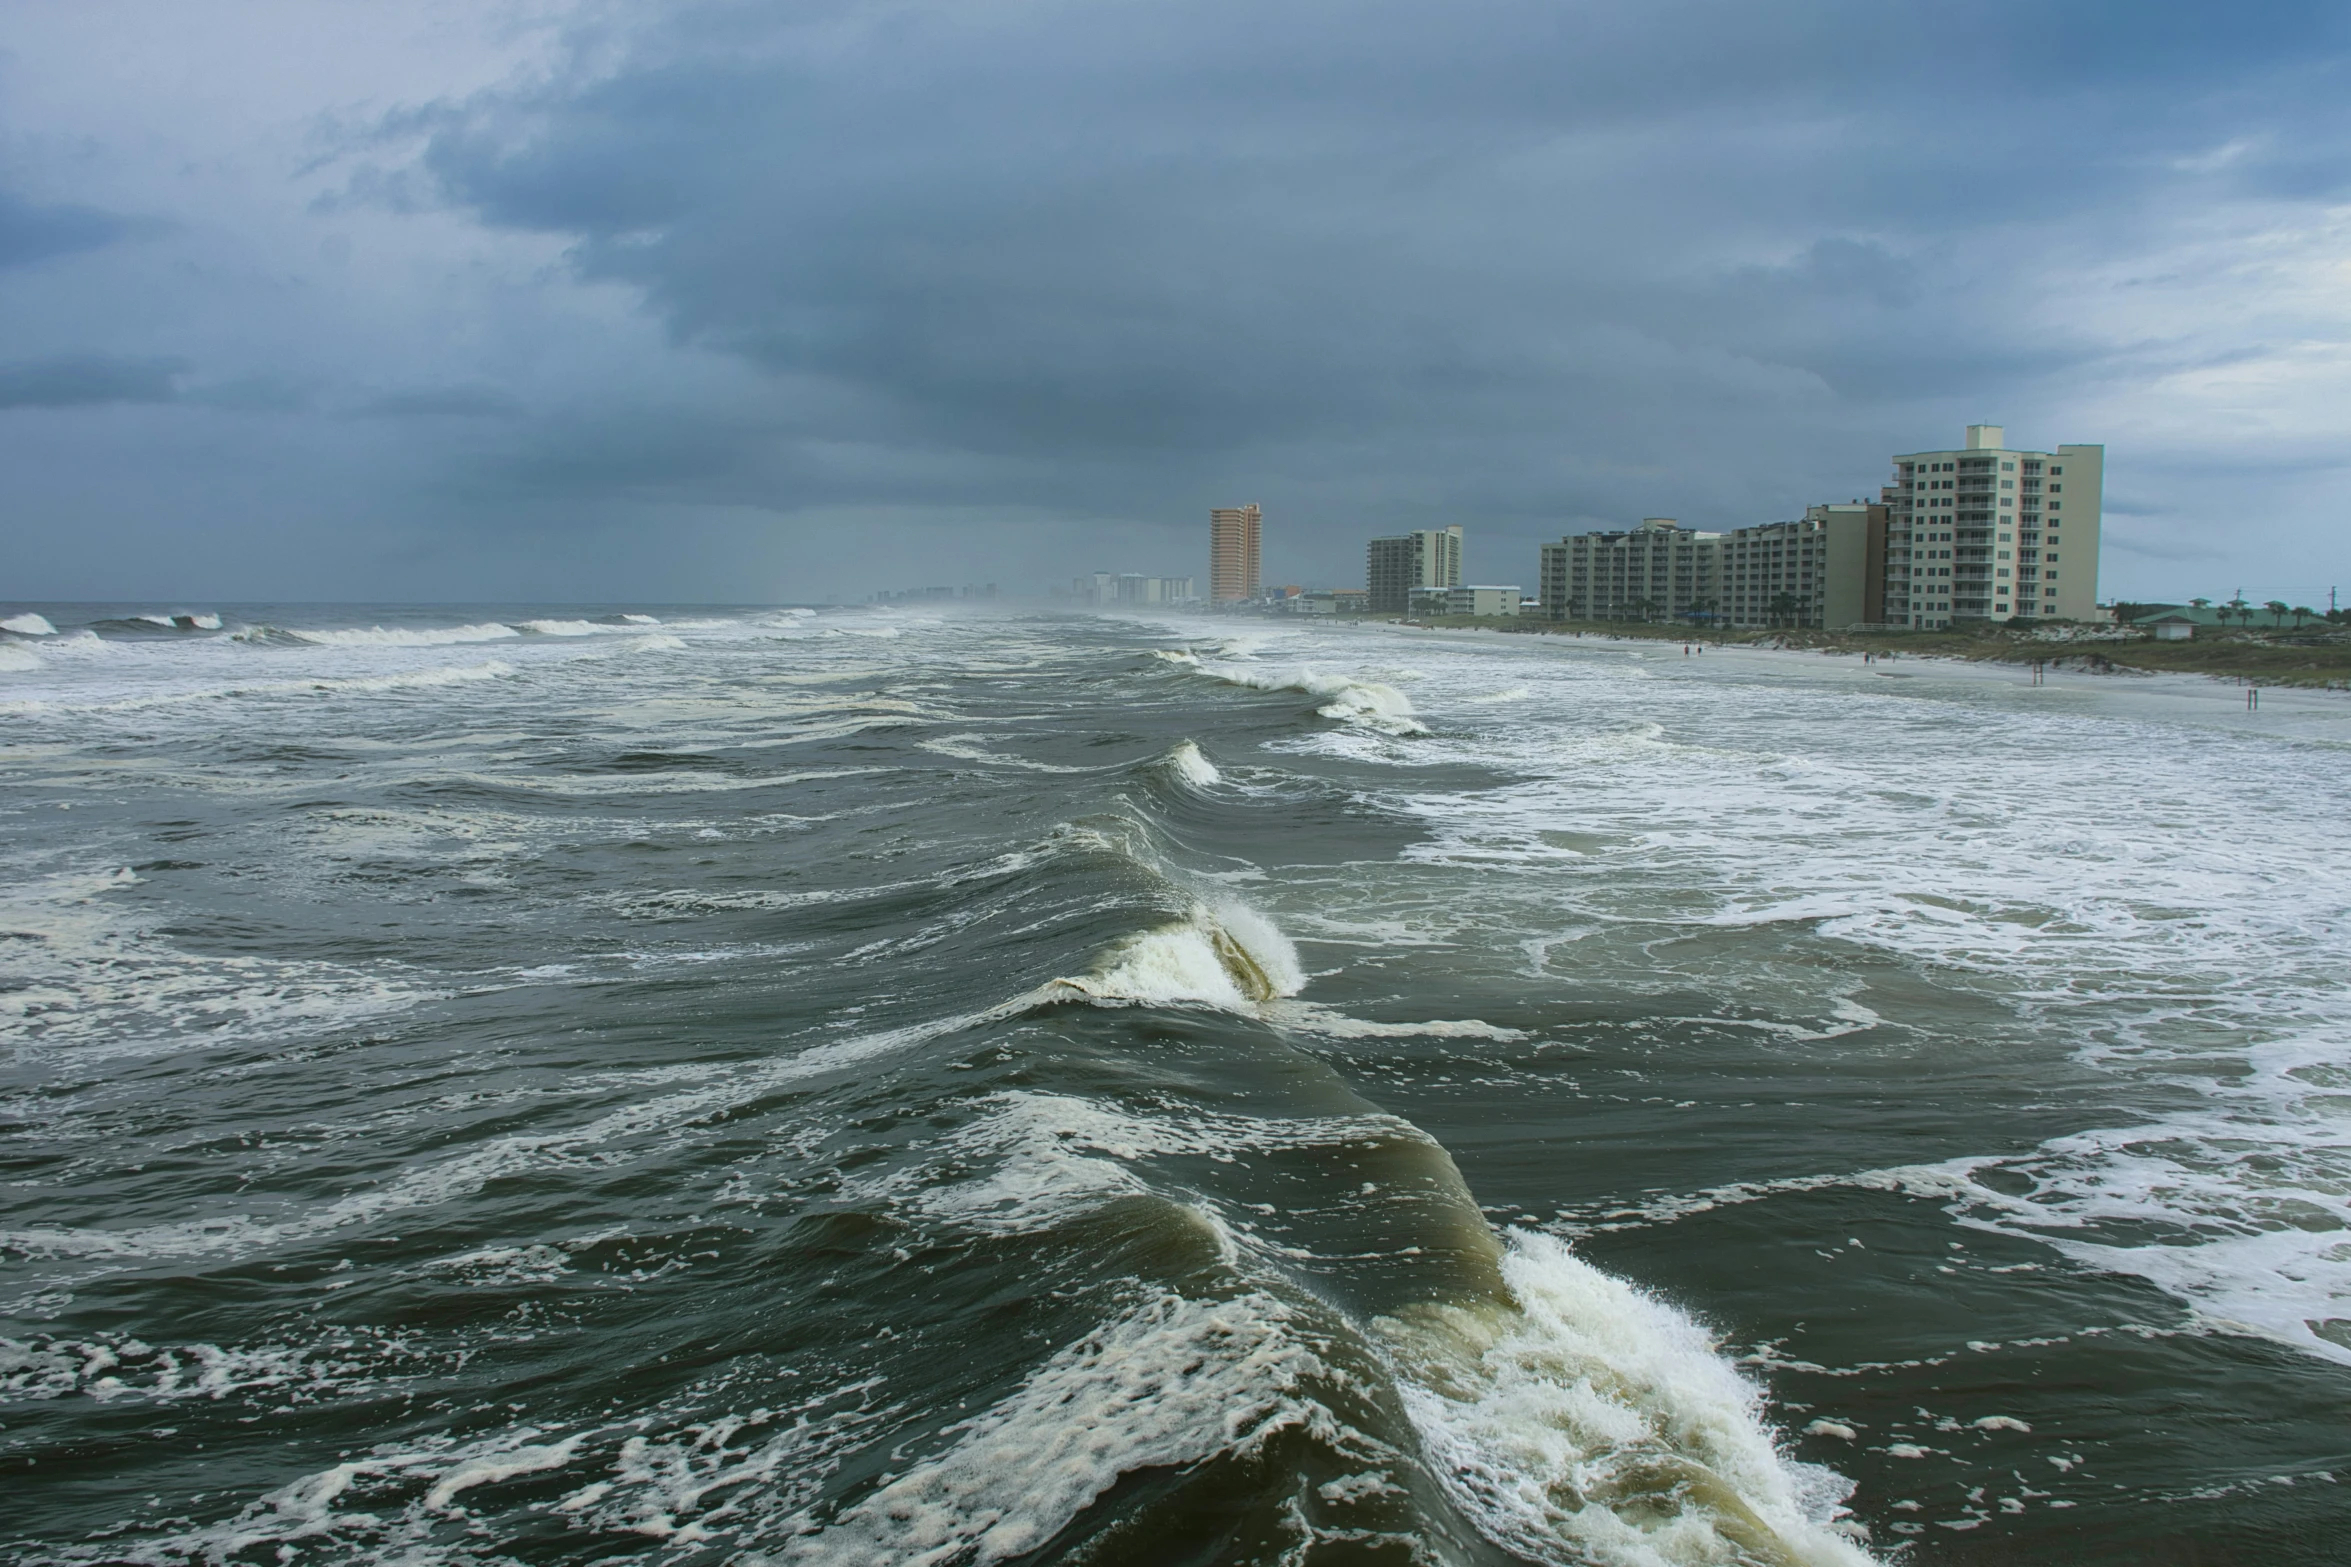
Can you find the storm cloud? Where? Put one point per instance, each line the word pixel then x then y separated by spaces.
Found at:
pixel 1045 278
pixel 33 231
pixel 79 380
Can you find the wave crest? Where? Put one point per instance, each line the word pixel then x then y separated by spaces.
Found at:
pixel 1368 703
pixel 1230 957
pixel 1188 764
pixel 1586 1421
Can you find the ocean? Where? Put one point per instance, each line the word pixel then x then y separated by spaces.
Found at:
pixel 640 1084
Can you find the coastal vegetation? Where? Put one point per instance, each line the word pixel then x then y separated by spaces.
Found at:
pixel 2314 654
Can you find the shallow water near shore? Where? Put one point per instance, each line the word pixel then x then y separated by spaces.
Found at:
pixel 626 1083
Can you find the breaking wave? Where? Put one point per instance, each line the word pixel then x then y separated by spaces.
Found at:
pixel 1186 763
pixel 1227 957
pixel 381 636
pixel 1367 703
pixel 1583 1420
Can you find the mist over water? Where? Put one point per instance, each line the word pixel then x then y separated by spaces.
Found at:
pixel 620 1083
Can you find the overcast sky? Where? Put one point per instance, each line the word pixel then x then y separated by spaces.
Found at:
pixel 362 299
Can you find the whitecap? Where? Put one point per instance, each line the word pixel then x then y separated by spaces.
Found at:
pixel 1369 703
pixel 28 625
pixel 1228 957
pixel 1585 1420
pixel 1168 1384
pixel 1186 762
pixel 397 636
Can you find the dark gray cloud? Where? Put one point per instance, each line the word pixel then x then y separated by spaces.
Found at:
pixel 1354 249
pixel 466 401
pixel 79 380
pixel 31 231
pixel 1031 274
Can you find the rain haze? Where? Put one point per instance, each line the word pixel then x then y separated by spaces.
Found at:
pixel 700 302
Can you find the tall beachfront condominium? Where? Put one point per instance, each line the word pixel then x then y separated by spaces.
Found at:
pixel 1430 558
pixel 1232 553
pixel 1658 571
pixel 1988 532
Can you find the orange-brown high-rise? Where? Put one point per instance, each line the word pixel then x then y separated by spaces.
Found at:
pixel 1232 553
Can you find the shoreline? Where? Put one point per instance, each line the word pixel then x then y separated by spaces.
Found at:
pixel 2241 659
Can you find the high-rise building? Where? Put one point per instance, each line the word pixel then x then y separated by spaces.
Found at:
pixel 1988 532
pixel 1826 570
pixel 1430 558
pixel 1657 571
pixel 1232 553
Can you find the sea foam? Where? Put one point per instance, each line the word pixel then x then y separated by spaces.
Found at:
pixel 1587 1421
pixel 1170 1383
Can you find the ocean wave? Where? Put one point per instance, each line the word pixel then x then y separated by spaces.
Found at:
pixel 1029 1160
pixel 1370 704
pixel 112 1368
pixel 148 625
pixel 1306 1018
pixel 1230 956
pixel 407 680
pixel 967 748
pixel 18 660
pixel 1571 1416
pixel 1187 763
pixel 383 636
pixel 99 981
pixel 28 625
pixel 2237 1211
pixel 1169 1383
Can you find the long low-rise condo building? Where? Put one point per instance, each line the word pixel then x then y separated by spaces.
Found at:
pixel 1476 599
pixel 1660 570
pixel 1825 570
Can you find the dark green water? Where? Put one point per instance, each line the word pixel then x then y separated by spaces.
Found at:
pixel 527 1085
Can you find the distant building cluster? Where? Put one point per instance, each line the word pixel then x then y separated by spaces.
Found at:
pixel 1980 532
pixel 984 593
pixel 1105 589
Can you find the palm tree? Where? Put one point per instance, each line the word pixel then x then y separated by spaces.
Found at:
pixel 1783 607
pixel 2301 613
pixel 2277 611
